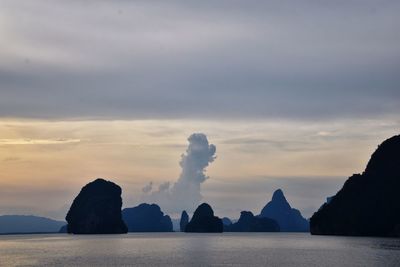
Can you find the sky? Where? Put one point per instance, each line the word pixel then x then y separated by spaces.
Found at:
pixel 293 94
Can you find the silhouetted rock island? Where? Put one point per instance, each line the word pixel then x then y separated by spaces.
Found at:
pixel 249 223
pixel 184 221
pixel 289 219
pixel 146 218
pixel 97 210
pixel 369 203
pixel 204 221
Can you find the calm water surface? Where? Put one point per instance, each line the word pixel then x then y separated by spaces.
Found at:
pixel 179 249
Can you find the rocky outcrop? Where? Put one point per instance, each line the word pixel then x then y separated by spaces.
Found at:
pixel 204 221
pixel 289 219
pixel 146 218
pixel 369 203
pixel 97 210
pixel 249 223
pixel 184 221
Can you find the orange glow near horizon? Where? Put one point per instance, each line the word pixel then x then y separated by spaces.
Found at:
pixel 46 157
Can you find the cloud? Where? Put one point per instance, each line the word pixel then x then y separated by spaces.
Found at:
pixel 273 59
pixel 324 133
pixel 164 187
pixel 11 159
pixel 147 188
pixel 38 141
pixel 185 193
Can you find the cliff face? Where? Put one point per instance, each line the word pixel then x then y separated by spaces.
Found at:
pixel 249 223
pixel 204 221
pixel 369 203
pixel 146 218
pixel 289 219
pixel 97 210
pixel 184 221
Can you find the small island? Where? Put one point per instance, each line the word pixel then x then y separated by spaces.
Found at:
pixel 146 218
pixel 97 210
pixel 204 221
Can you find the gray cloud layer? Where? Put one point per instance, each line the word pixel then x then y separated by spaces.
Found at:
pixel 199 59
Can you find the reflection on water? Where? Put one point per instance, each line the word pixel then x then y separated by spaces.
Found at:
pixel 179 249
pixel 387 245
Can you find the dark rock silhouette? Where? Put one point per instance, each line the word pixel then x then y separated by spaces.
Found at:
pixel 249 223
pixel 28 224
pixel 204 221
pixel 63 229
pixel 328 200
pixel 369 203
pixel 184 221
pixel 146 218
pixel 97 210
pixel 226 221
pixel 289 219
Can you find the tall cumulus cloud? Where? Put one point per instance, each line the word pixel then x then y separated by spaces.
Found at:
pixel 185 193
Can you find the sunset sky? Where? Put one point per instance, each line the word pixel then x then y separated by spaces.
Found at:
pixel 293 94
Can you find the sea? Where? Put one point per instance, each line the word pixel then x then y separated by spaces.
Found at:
pixel 182 249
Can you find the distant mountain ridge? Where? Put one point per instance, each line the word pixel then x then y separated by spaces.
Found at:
pixel 288 218
pixel 250 223
pixel 146 218
pixel 28 224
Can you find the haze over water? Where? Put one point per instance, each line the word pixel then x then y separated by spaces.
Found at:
pixel 178 249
